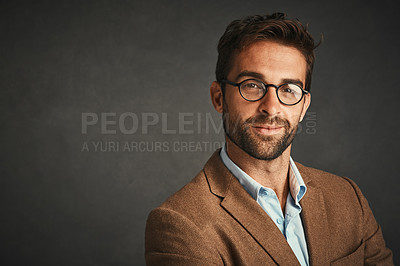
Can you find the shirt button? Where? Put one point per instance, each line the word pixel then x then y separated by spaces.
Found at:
pixel 279 220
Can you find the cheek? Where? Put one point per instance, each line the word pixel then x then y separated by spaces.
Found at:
pixel 292 114
pixel 294 117
pixel 235 106
pixel 243 111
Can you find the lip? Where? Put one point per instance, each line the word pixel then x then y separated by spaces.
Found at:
pixel 268 130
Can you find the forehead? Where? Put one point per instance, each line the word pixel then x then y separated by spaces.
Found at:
pixel 272 60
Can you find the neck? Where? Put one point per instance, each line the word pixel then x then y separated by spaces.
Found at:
pixel 272 174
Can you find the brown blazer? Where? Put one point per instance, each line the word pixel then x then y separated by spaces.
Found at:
pixel 214 221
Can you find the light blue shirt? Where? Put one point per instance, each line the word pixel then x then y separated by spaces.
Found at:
pixel 290 222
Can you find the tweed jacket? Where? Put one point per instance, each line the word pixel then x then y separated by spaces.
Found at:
pixel 214 221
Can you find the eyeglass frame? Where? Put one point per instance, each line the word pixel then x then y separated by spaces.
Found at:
pixel 304 92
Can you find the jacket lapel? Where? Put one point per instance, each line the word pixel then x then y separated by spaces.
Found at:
pixel 315 221
pixel 246 211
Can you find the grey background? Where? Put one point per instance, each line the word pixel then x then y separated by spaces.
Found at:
pixel 64 206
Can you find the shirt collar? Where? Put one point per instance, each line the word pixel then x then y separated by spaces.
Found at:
pixel 296 183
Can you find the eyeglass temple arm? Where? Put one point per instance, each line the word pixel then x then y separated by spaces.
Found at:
pixel 230 82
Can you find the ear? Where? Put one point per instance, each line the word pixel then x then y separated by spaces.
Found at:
pixel 216 96
pixel 306 104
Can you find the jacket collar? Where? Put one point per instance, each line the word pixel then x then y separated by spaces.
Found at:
pixel 315 220
pixel 246 211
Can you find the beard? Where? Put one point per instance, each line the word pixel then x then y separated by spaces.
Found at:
pixel 257 145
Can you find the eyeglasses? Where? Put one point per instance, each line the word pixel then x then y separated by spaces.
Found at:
pixel 253 90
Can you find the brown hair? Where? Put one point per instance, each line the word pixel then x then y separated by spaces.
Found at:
pixel 276 27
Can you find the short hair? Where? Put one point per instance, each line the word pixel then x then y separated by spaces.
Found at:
pixel 277 27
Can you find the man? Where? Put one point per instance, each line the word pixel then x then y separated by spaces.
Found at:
pixel 252 204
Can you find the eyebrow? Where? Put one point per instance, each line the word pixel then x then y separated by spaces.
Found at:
pixel 257 75
pixel 249 74
pixel 294 81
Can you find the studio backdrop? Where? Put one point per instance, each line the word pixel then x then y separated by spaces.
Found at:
pixel 106 112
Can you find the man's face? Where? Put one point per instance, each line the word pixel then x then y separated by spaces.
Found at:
pixel 265 128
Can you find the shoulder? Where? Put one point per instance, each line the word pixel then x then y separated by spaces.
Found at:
pixel 193 192
pixel 347 211
pixel 341 194
pixel 190 203
pixel 327 181
pixel 176 231
pixel 204 192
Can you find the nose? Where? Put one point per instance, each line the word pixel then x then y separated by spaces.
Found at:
pixel 270 103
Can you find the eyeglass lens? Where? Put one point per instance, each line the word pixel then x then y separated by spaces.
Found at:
pixel 253 90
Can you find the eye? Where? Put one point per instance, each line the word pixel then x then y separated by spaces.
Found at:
pixel 290 93
pixel 290 89
pixel 287 90
pixel 252 90
pixel 250 85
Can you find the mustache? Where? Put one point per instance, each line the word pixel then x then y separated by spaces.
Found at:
pixel 267 120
